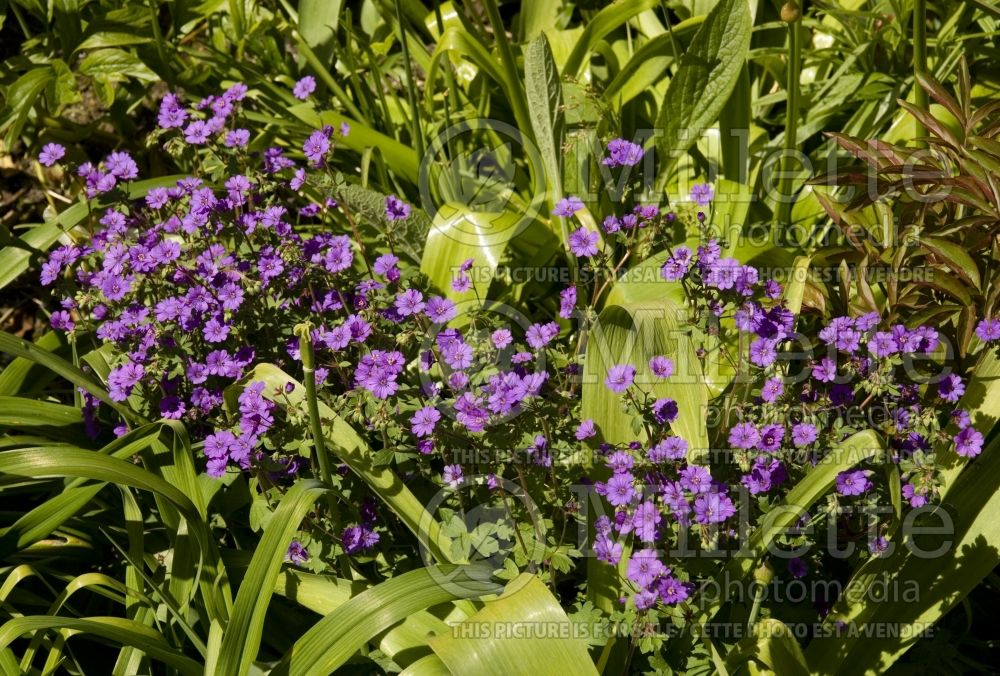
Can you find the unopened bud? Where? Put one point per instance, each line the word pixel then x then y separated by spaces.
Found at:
pixel 790 12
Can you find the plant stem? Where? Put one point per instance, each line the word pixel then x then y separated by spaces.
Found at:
pixel 793 74
pixel 919 58
pixel 315 425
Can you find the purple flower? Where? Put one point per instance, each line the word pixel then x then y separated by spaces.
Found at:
pixel 672 591
pixel 662 367
pixel 585 430
pixel 620 377
pixel 607 550
pixel 453 475
pixel 702 193
pixel 763 352
pixel 825 371
pixel 853 482
pixel 622 153
pixel 645 520
pixel 583 242
pixel 396 209
pixel 423 422
pixel 440 310
pixel 770 437
pixel 696 479
pixel 568 206
pixel 987 330
pixel 197 133
pixel 883 344
pixel 410 302
pixel 671 448
pixel 772 389
pixel 304 87
pixel 969 442
pixel 501 338
pixel 665 410
pixel 123 379
pixel 567 302
pixel 644 568
pixel 713 508
pixel 804 434
pixel 797 567
pixel 951 388
pixel 677 265
pixel 296 554
pixel 358 538
pixel 744 435
pixel 237 138
pixel 620 490
pixel 316 147
pixel 51 153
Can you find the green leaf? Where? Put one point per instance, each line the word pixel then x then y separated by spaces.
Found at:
pixel 334 639
pixel 318 21
pixel 17 347
pixel 650 62
pixel 115 629
pixel 19 99
pixel 21 412
pixel 457 234
pixel 115 64
pixel 544 92
pixel 955 257
pixel 607 20
pixel 527 606
pixel 112 39
pixel 241 639
pixel 707 74
pixel 776 648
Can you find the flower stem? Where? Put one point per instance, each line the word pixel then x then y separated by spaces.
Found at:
pixel 316 426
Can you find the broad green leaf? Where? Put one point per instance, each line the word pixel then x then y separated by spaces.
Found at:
pixel 457 234
pixel 795 288
pixel 17 347
pixel 318 21
pixel 71 462
pixel 334 639
pixel 19 99
pixel 116 64
pixel 644 316
pixel 241 640
pixel 707 74
pixel 528 606
pixel 777 650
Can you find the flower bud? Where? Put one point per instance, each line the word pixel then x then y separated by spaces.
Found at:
pixel 764 573
pixel 790 12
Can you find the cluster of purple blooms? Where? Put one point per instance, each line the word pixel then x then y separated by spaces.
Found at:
pixel 198 282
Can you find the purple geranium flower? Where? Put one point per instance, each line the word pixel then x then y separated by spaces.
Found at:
pixel 620 377
pixel 568 206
